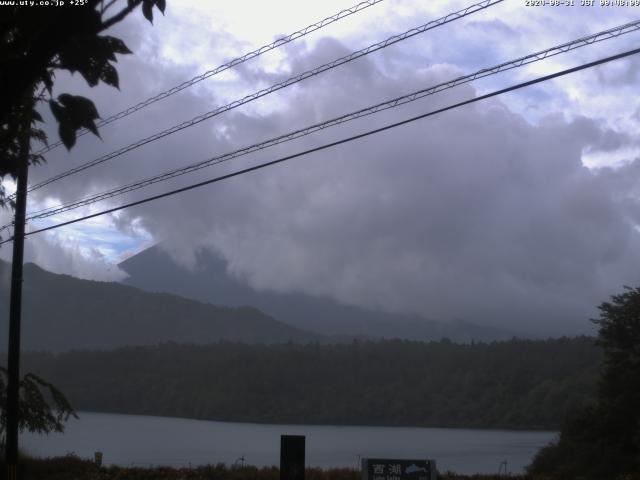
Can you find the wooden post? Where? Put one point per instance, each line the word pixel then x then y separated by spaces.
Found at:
pixel 292 453
pixel 15 308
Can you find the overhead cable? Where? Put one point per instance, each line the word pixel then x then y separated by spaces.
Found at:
pixel 338 142
pixel 226 66
pixel 395 102
pixel 278 86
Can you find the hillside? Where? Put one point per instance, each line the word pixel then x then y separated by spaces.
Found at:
pixel 62 313
pixel 155 271
pixel 516 384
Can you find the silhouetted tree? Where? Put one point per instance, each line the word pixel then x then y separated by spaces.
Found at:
pixel 37 41
pixel 603 441
pixel 43 408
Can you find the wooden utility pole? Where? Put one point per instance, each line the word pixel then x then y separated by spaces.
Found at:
pixel 15 308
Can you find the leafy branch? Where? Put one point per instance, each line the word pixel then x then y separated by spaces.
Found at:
pixel 34 44
pixel 43 408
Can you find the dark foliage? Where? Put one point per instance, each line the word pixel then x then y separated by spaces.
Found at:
pixel 37 42
pixel 603 441
pixel 43 408
pixel 515 384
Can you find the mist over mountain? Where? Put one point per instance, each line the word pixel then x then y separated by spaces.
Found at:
pixel 61 313
pixel 154 270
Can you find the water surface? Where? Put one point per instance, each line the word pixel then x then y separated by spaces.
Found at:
pixel 141 440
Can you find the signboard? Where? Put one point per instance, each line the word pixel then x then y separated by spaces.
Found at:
pixel 398 469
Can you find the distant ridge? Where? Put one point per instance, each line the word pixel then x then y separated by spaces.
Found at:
pixel 154 270
pixel 61 313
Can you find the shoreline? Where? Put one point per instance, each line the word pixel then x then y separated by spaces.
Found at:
pixel 315 425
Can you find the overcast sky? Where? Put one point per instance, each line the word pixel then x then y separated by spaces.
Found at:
pixel 520 211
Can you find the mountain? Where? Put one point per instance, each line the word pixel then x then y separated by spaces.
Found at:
pixel 154 270
pixel 62 313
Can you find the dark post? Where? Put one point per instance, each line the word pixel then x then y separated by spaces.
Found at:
pixel 15 308
pixel 292 457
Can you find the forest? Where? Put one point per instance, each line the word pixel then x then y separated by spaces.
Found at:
pixel 517 384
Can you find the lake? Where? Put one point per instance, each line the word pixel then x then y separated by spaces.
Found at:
pixel 133 440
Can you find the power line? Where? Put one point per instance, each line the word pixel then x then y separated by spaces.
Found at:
pixel 339 142
pixel 395 102
pixel 292 80
pixel 230 64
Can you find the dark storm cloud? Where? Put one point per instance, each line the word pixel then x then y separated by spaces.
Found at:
pixel 474 214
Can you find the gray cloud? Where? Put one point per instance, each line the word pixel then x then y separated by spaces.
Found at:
pixel 626 73
pixel 474 214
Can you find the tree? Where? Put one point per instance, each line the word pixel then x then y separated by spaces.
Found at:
pixel 43 408
pixel 35 42
pixel 603 440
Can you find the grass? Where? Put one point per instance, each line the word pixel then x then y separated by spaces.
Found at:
pixel 71 467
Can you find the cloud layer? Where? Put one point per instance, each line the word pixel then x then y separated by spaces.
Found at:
pixel 485 213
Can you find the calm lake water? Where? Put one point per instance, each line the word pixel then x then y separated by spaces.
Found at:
pixel 140 441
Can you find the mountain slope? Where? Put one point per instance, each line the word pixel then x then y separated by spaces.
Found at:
pixel 62 312
pixel 154 270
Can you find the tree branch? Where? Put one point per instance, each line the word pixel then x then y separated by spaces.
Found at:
pixel 106 7
pixel 118 17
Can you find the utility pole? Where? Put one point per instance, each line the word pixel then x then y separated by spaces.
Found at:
pixel 15 308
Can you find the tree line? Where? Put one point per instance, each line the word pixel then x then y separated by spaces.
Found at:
pixel 521 384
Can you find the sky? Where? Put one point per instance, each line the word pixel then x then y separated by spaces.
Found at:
pixel 521 211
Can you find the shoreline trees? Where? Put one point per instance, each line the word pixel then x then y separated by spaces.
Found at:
pixel 602 441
